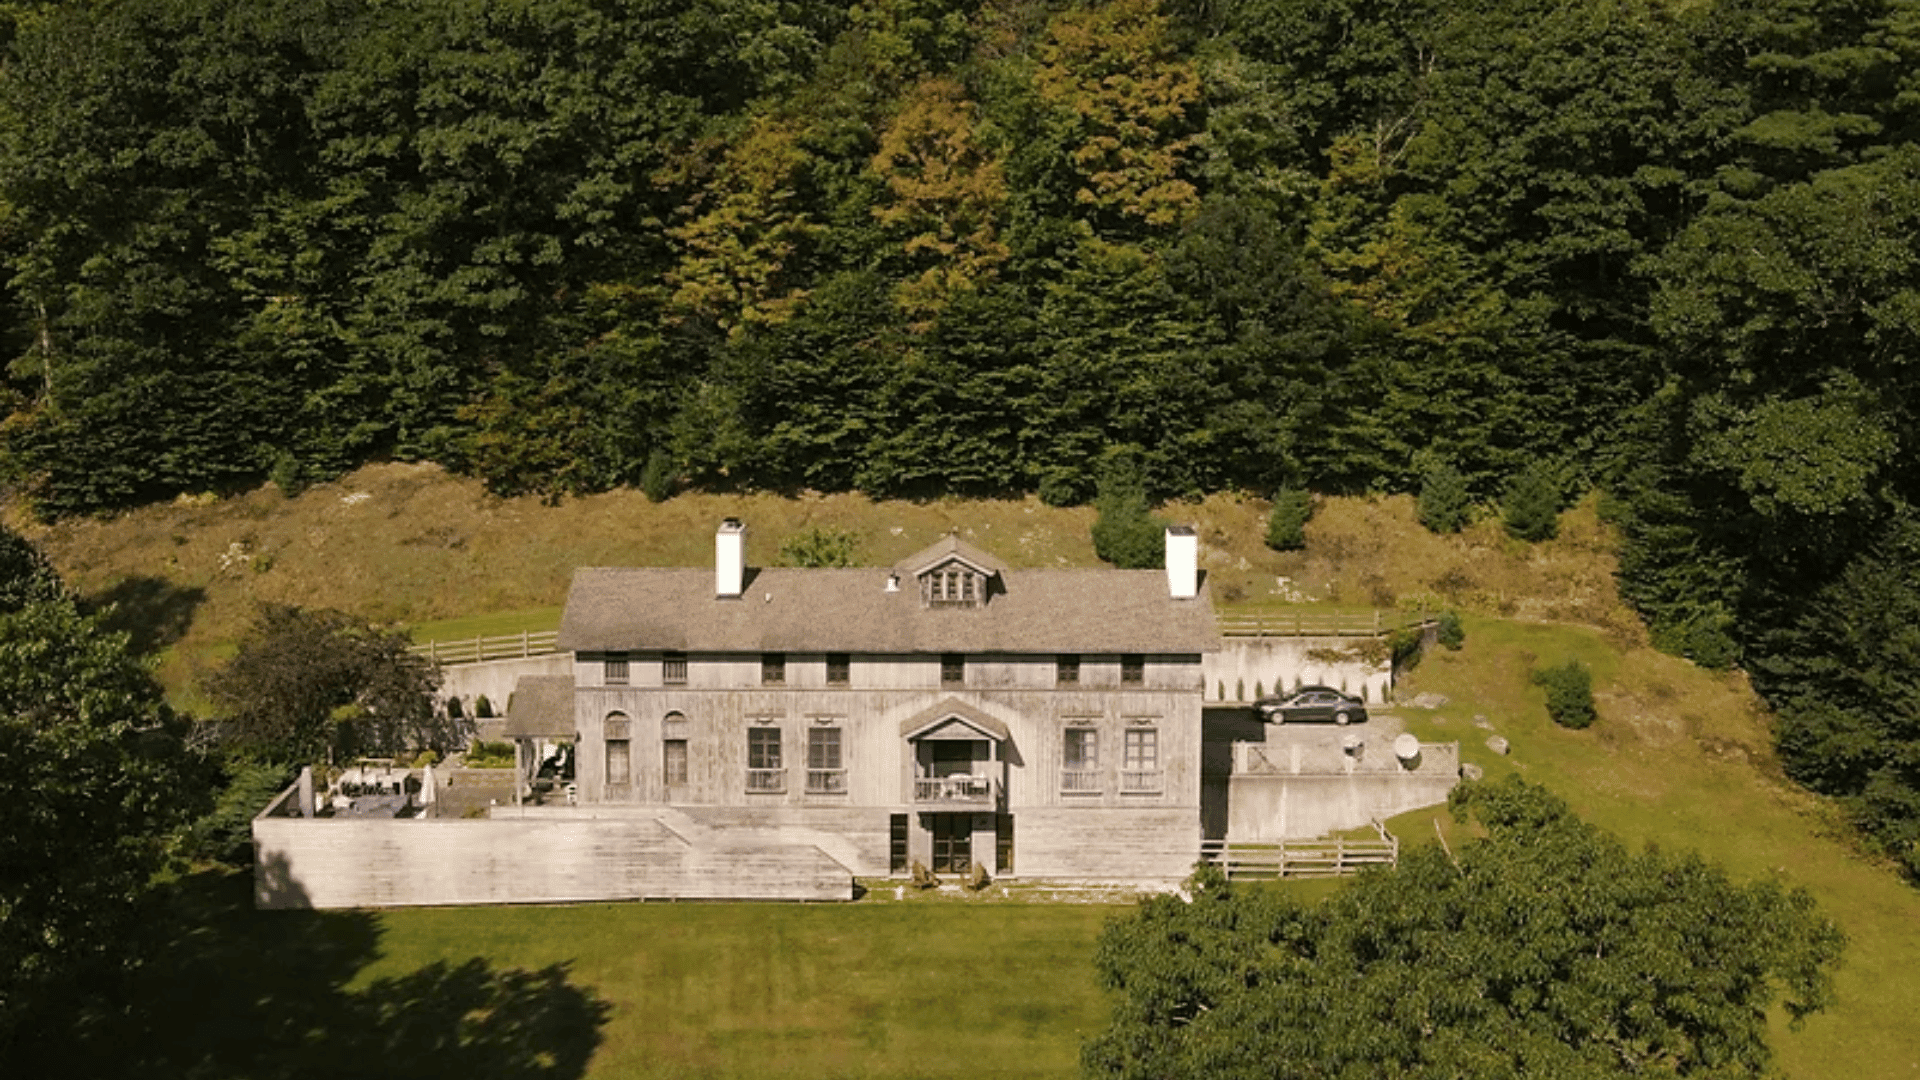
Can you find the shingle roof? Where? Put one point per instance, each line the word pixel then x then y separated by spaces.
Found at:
pixel 541 707
pixel 926 720
pixel 840 610
pixel 948 547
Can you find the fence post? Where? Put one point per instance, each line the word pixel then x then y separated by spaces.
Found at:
pixel 526 647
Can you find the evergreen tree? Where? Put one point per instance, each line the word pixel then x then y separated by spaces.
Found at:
pixel 1287 523
pixel 1445 505
pixel 1531 504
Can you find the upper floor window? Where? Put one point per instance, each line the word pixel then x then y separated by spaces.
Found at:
pixel 773 669
pixel 953 586
pixel 673 668
pixel 839 669
pixel 1133 670
pixel 953 669
pixel 614 668
pixel 1066 670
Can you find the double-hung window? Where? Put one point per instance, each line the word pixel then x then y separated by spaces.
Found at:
pixel 839 669
pixel 614 668
pixel 673 668
pixel 953 669
pixel 773 669
pixel 1080 761
pixel 1133 670
pixel 764 772
pixel 1140 761
pixel 826 771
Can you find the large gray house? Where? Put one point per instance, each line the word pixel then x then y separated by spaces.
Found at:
pixel 948 710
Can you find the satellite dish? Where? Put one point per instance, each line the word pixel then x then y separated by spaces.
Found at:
pixel 1406 747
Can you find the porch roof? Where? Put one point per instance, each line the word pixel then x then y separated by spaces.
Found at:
pixel 541 708
pixel 926 721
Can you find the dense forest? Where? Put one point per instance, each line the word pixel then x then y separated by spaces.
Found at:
pixel 1666 250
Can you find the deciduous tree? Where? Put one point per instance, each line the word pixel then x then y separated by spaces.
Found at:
pixel 308 683
pixel 1544 948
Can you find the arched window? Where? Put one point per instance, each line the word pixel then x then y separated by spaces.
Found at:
pixel 619 736
pixel 673 749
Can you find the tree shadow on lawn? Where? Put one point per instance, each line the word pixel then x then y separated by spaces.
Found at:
pixel 153 611
pixel 229 991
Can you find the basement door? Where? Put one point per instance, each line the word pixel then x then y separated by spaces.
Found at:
pixel 952 843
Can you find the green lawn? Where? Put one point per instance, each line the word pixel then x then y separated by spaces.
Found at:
pixel 797 991
pixel 526 620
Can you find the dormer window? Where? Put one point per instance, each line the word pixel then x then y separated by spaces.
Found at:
pixel 952 574
pixel 953 585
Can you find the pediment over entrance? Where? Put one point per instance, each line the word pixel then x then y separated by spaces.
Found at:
pixel 953 719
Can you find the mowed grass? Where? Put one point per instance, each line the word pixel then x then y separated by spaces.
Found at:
pixel 877 990
pixel 499 624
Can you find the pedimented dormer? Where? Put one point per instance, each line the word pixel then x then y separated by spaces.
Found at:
pixel 954 574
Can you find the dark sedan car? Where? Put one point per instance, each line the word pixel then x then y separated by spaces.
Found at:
pixel 1312 704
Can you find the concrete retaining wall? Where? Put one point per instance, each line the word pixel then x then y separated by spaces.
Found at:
pixel 1245 668
pixel 334 863
pixel 1286 807
pixel 495 679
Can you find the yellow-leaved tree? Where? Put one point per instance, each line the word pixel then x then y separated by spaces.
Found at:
pixel 945 192
pixel 1115 70
pixel 742 232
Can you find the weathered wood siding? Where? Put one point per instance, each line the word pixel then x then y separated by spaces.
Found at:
pixel 877 758
pixel 326 863
pixel 1107 844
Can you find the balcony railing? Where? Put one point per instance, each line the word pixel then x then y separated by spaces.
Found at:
pixel 1080 781
pixel 826 781
pixel 1142 781
pixel 955 789
pixel 767 780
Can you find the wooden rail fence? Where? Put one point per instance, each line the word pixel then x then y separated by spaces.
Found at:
pixel 478 649
pixel 1316 624
pixel 1274 860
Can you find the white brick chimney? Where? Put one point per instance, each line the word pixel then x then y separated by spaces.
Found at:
pixel 730 559
pixel 1183 562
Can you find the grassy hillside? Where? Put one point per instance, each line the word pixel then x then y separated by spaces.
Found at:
pixel 409 544
pixel 1680 757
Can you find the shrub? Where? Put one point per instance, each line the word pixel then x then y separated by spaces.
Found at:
pixel 1450 632
pixel 1287 524
pixel 490 755
pixel 1062 487
pixel 818 547
pixel 1445 504
pixel 658 477
pixel 1569 693
pixel 1531 505
pixel 482 708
